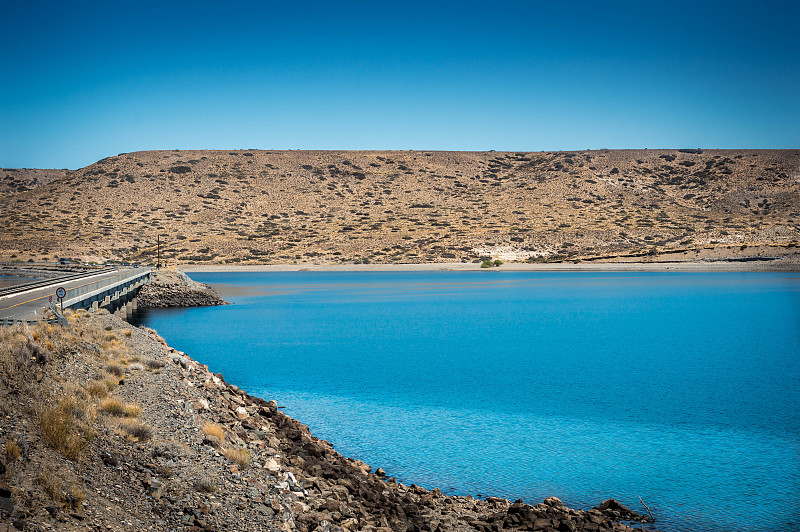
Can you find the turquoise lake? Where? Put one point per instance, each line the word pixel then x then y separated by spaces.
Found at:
pixel 681 388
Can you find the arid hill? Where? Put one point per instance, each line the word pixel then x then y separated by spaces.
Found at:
pixel 411 206
pixel 13 180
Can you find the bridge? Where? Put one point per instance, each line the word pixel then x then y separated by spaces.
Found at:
pixel 100 288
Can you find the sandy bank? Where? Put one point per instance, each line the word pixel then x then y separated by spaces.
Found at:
pixel 697 266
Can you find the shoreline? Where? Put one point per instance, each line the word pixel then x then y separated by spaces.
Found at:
pixel 684 266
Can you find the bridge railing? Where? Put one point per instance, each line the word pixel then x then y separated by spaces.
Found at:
pixel 99 284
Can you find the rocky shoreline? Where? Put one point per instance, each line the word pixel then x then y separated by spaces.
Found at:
pixel 172 288
pixel 160 442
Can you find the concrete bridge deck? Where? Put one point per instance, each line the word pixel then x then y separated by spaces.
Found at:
pixel 90 290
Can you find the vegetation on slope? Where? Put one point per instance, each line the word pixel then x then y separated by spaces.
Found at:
pixel 242 207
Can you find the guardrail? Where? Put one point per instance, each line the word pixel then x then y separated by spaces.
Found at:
pixel 100 284
pixel 39 284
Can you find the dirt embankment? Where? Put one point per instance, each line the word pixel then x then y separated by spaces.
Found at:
pixel 105 427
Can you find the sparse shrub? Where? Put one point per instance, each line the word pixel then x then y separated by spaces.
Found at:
pixel 97 389
pixel 138 430
pixel 180 169
pixel 62 486
pixel 240 457
pixel 115 370
pixel 154 364
pixel 212 429
pixel 497 262
pixel 115 407
pixel 127 332
pixel 63 427
pixel 204 485
pixel 13 450
pixel 110 383
pixel 486 264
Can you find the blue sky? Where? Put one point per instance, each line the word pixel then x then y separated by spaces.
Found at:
pixel 94 79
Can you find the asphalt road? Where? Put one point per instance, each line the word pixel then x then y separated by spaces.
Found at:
pixel 31 304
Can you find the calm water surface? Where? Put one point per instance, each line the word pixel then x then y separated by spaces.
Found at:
pixel 681 388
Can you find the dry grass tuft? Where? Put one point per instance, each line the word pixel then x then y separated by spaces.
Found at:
pixel 154 364
pixel 62 486
pixel 13 450
pixel 138 430
pixel 115 369
pixel 204 485
pixel 64 426
pixel 127 332
pixel 212 429
pixel 97 389
pixel 115 407
pixel 110 383
pixel 239 456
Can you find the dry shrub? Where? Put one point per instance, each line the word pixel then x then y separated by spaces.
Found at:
pixel 127 332
pixel 110 383
pixel 212 429
pixel 115 369
pixel 239 456
pixel 62 486
pixel 13 450
pixel 138 430
pixel 115 407
pixel 154 364
pixel 65 426
pixel 204 485
pixel 97 389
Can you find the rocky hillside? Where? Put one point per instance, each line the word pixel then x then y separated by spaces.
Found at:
pixel 411 206
pixel 105 427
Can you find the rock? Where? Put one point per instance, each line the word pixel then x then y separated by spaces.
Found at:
pixel 5 490
pixel 380 472
pixel 212 441
pixel 154 488
pixel 614 509
pixel 109 459
pixel 554 502
pixel 7 505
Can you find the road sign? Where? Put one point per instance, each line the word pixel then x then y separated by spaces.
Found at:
pixel 60 292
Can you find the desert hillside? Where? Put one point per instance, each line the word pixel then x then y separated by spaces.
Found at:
pixel 410 206
pixel 13 180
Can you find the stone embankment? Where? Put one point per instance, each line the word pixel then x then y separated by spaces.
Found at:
pixel 176 289
pixel 146 438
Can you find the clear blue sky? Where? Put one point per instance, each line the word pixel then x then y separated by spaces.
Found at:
pixel 85 80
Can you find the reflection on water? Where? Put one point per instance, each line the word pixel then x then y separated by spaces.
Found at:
pixel 683 388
